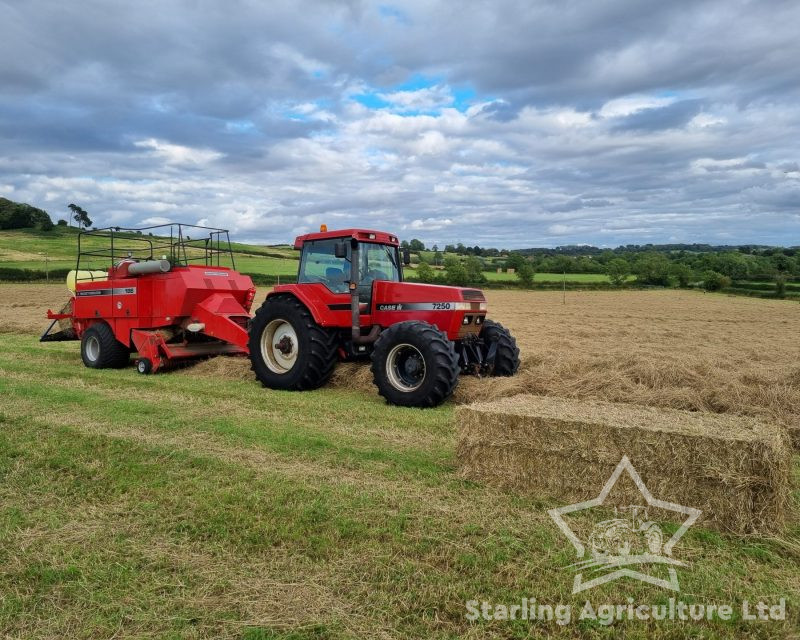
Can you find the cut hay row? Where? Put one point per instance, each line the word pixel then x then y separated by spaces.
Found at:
pixel 735 469
pixel 688 384
pixel 692 386
pixel 678 382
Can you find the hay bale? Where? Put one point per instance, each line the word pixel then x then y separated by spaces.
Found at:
pixel 736 469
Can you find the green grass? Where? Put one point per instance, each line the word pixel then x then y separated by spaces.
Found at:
pixel 493 276
pixel 555 277
pixel 26 249
pixel 62 242
pixel 183 506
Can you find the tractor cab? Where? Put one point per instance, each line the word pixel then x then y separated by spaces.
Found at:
pixel 327 258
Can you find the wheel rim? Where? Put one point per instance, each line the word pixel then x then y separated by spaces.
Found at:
pixel 279 346
pixel 405 367
pixel 92 348
pixel 142 366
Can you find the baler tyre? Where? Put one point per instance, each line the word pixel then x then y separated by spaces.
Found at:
pixel 100 349
pixel 307 355
pixel 144 366
pixel 414 365
pixel 506 359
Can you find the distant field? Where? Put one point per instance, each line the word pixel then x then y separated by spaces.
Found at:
pixel 266 266
pixel 26 249
pixel 493 276
pixel 552 277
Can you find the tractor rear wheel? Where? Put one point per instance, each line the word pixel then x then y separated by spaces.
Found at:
pixel 506 351
pixel 288 349
pixel 100 349
pixel 414 365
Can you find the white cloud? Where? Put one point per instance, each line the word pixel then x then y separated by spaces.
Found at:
pixel 628 105
pixel 302 62
pixel 425 99
pixel 178 154
pixel 703 120
pixel 429 224
pixel 152 222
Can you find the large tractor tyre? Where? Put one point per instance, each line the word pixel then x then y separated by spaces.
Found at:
pixel 414 365
pixel 506 355
pixel 288 349
pixel 100 349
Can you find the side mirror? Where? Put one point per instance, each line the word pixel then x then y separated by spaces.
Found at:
pixel 340 249
pixel 406 256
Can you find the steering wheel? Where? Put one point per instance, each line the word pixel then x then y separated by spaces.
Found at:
pixel 376 274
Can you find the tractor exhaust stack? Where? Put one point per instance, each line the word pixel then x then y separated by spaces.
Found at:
pixel 355 306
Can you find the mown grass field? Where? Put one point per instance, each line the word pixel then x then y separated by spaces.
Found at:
pixel 194 505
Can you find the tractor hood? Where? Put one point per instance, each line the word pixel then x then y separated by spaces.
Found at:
pixel 457 311
pixel 419 296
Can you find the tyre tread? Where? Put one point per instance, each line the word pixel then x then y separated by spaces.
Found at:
pixel 506 361
pixel 321 345
pixel 113 354
pixel 446 372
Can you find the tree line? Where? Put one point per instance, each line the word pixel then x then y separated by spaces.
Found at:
pixel 18 215
pixel 646 265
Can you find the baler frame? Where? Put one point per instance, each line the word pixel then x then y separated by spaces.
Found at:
pixel 168 241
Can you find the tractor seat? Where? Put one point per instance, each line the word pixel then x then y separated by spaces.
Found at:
pixel 336 280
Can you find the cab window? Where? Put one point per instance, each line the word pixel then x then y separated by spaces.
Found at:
pixel 377 262
pixel 320 264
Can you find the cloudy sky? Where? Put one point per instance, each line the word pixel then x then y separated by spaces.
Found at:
pixel 498 123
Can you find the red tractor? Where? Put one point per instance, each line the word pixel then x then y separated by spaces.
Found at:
pixel 170 299
pixel 350 301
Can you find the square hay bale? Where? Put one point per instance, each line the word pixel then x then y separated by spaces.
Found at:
pixel 735 469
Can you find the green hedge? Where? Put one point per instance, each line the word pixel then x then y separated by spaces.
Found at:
pixel 11 274
pixel 763 286
pixel 263 280
pixel 759 293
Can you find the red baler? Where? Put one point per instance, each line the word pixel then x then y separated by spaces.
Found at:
pixel 166 296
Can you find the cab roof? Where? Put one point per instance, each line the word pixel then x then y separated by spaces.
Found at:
pixel 362 235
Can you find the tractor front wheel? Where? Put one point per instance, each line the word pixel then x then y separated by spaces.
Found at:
pixel 288 349
pixel 500 349
pixel 100 348
pixel 414 365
